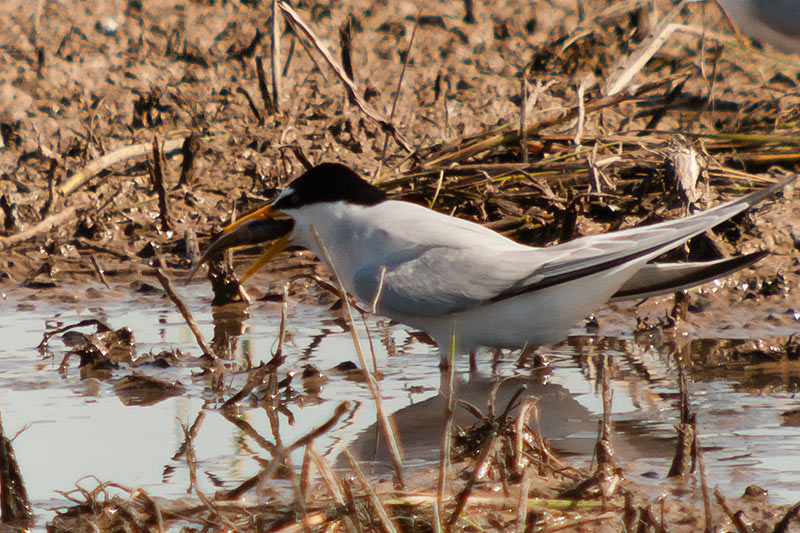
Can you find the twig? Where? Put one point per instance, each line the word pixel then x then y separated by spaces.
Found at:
pixel 346 42
pixel 10 222
pixel 189 150
pixel 352 505
pixel 276 57
pixel 603 447
pixel 45 225
pixel 295 20
pixel 191 463
pixel 372 384
pixel 125 153
pixel 369 339
pixel 379 292
pixel 735 518
pixel 438 189
pixel 704 486
pixel 581 115
pixel 633 64
pixel 447 436
pixel 251 104
pixel 254 378
pixel 340 410
pixel 280 453
pixel 198 421
pixel 269 107
pixel 157 175
pixel 99 271
pixel 289 55
pixel 284 314
pixel 184 310
pixel 480 467
pixel 783 525
pixel 523 110
pixel 297 150
pixel 685 451
pixel 51 174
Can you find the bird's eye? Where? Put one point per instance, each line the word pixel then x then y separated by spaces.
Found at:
pixel 289 200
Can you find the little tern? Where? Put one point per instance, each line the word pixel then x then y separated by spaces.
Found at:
pixel 456 279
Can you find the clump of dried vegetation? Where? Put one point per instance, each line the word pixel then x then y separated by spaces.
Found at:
pixel 131 131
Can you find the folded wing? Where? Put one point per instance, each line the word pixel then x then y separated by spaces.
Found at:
pixel 437 280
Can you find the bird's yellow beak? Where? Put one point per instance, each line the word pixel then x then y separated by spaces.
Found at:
pixel 276 248
pixel 260 214
pixel 259 226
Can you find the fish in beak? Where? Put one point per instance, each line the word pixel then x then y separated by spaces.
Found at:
pixel 257 227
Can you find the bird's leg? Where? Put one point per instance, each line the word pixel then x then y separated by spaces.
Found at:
pixel 473 365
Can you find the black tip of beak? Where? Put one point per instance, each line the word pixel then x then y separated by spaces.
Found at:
pixel 252 232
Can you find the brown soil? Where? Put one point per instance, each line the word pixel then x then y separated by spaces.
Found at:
pixel 81 80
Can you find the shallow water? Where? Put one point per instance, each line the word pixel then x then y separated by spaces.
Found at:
pixel 75 427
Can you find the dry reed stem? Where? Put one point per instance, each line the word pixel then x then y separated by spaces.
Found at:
pixel 522 504
pixel 276 58
pixel 284 314
pixel 185 313
pixel 502 136
pixel 703 483
pixel 523 110
pixel 235 418
pixel 306 472
pixel 480 468
pixel 447 436
pixel 735 518
pixel 603 448
pixel 340 410
pixel 383 516
pixel 157 175
pixel 254 378
pixel 99 271
pixel 561 504
pixel 191 463
pixel 198 421
pixel 333 484
pixel 520 428
pixel 297 21
pixel 251 104
pixel 269 107
pixel 579 126
pixel 372 383
pixel 621 77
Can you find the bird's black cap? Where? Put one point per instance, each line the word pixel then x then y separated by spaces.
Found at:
pixel 329 182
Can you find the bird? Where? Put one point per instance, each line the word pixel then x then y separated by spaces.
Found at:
pixel 464 284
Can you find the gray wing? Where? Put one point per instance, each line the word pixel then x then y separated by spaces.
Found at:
pixel 437 280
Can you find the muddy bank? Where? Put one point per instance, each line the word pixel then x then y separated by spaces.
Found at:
pixel 132 131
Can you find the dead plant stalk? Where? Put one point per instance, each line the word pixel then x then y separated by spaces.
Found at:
pixel 372 383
